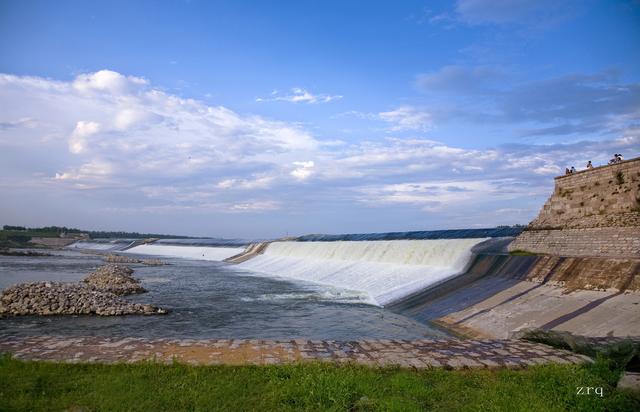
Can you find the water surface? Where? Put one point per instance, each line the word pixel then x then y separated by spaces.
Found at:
pixel 211 300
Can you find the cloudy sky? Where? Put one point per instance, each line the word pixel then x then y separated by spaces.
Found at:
pixel 261 119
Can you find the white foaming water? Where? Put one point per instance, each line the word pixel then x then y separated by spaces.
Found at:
pixel 97 245
pixel 188 252
pixel 387 270
pixel 330 294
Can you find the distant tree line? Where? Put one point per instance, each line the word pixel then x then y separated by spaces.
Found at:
pixel 58 230
pixel 45 229
pixel 7 227
pixel 131 235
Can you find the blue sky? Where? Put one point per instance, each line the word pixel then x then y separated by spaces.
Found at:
pixel 256 119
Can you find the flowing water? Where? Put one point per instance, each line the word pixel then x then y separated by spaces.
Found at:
pixel 386 270
pixel 211 300
pixel 319 287
pixel 188 252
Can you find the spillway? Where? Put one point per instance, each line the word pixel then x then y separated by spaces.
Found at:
pixel 386 270
pixel 103 246
pixel 187 252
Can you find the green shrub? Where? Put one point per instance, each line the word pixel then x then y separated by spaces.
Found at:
pixel 619 353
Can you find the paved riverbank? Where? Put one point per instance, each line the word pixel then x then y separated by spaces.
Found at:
pixel 426 353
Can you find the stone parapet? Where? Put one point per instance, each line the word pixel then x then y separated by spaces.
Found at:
pixel 621 242
pixel 594 212
pixel 602 197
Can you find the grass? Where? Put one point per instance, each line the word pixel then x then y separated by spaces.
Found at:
pixel 33 386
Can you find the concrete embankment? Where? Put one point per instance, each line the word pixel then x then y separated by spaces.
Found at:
pixel 500 294
pixel 253 250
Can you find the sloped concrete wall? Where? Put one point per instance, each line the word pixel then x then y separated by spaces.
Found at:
pixel 499 294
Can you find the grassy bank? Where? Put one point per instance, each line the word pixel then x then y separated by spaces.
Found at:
pixel 150 386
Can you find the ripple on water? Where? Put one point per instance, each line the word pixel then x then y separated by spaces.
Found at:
pixel 214 300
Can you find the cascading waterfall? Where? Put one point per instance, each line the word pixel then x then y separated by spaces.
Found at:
pixel 386 270
pixel 187 252
pixel 104 246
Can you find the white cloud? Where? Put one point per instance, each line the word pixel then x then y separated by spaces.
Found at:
pixel 407 118
pixel 105 130
pixel 108 81
pixel 254 206
pixel 127 146
pixel 304 170
pixel 434 195
pixel 145 130
pixel 130 117
pixel 548 169
pixel 78 142
pixel 402 118
pixel 226 208
pixel 299 95
pixel 246 184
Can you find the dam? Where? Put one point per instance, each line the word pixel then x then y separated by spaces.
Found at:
pixel 471 287
pixel 576 267
pixel 385 269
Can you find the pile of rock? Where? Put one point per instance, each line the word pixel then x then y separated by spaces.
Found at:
pixel 97 294
pixel 127 259
pixel 116 279
pixel 120 259
pixel 47 298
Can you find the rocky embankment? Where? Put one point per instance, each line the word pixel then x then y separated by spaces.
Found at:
pixel 127 259
pixel 116 279
pixel 98 294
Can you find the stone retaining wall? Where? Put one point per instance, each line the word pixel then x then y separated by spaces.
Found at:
pixel 598 241
pixel 590 213
pixel 602 197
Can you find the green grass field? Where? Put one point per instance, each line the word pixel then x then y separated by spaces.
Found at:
pixel 33 386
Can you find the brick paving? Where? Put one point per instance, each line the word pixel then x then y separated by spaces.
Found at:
pixel 424 353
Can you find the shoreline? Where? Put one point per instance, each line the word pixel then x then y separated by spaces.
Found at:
pixel 420 354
